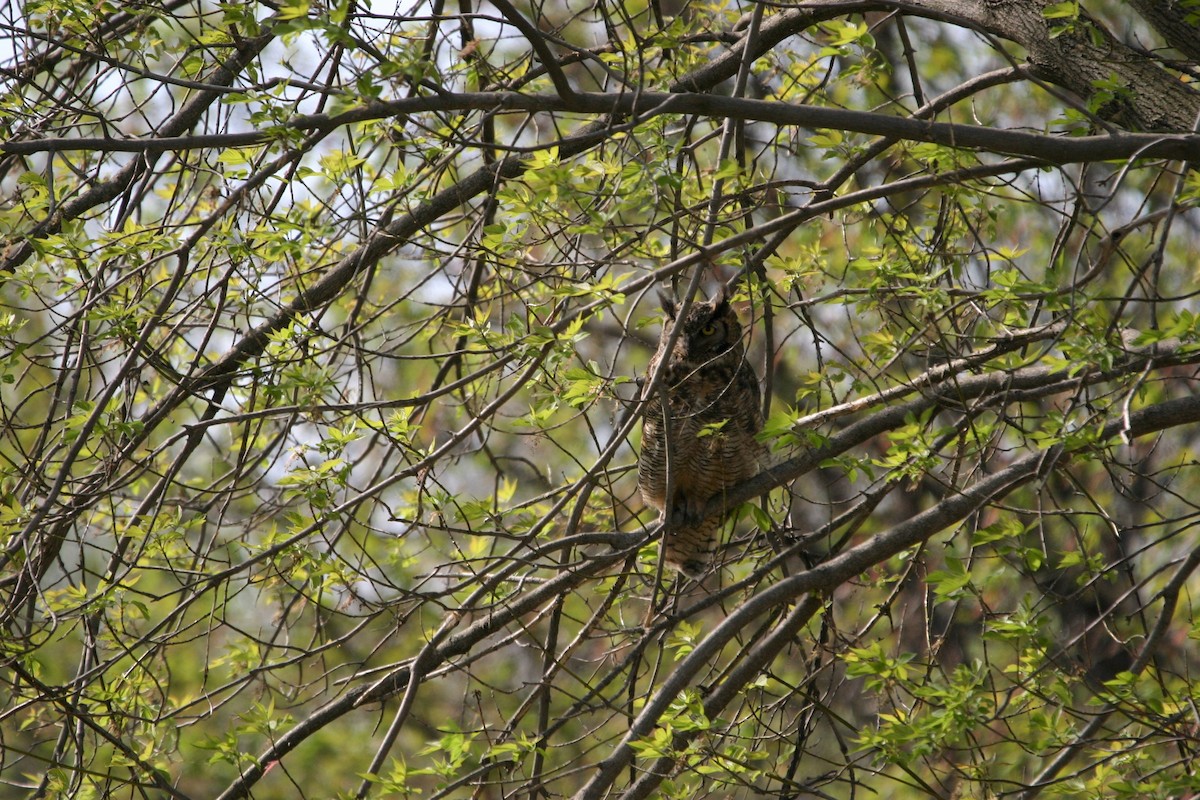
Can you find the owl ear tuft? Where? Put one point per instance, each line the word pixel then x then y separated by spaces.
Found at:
pixel 668 303
pixel 720 301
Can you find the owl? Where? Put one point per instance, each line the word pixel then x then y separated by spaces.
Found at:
pixel 702 441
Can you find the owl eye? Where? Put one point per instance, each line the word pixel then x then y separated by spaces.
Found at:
pixel 708 330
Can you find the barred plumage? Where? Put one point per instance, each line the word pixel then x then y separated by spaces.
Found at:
pixel 713 414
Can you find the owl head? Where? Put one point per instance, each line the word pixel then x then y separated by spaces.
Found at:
pixel 710 331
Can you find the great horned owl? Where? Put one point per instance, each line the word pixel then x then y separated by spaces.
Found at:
pixel 712 415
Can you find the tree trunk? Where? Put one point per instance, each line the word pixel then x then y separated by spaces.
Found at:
pixel 1122 86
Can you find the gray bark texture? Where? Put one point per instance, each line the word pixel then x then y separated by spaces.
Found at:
pixel 1086 54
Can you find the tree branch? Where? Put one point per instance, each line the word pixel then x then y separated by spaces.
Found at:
pixel 951 390
pixel 826 577
pixel 102 192
pixel 1051 149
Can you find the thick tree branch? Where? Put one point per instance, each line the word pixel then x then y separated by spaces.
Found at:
pixel 758 659
pixel 951 390
pixel 1175 21
pixel 645 105
pixel 822 578
pixel 455 645
pixel 1083 56
pixel 827 576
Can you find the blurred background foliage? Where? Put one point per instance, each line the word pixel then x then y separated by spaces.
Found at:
pixel 321 329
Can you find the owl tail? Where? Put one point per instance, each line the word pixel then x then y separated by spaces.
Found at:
pixel 690 548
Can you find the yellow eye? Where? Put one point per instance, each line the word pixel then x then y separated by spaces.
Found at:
pixel 708 330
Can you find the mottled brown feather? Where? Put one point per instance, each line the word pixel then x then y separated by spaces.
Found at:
pixel 713 413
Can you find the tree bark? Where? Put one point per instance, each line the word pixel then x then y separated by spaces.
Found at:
pixel 1170 19
pixel 1087 59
